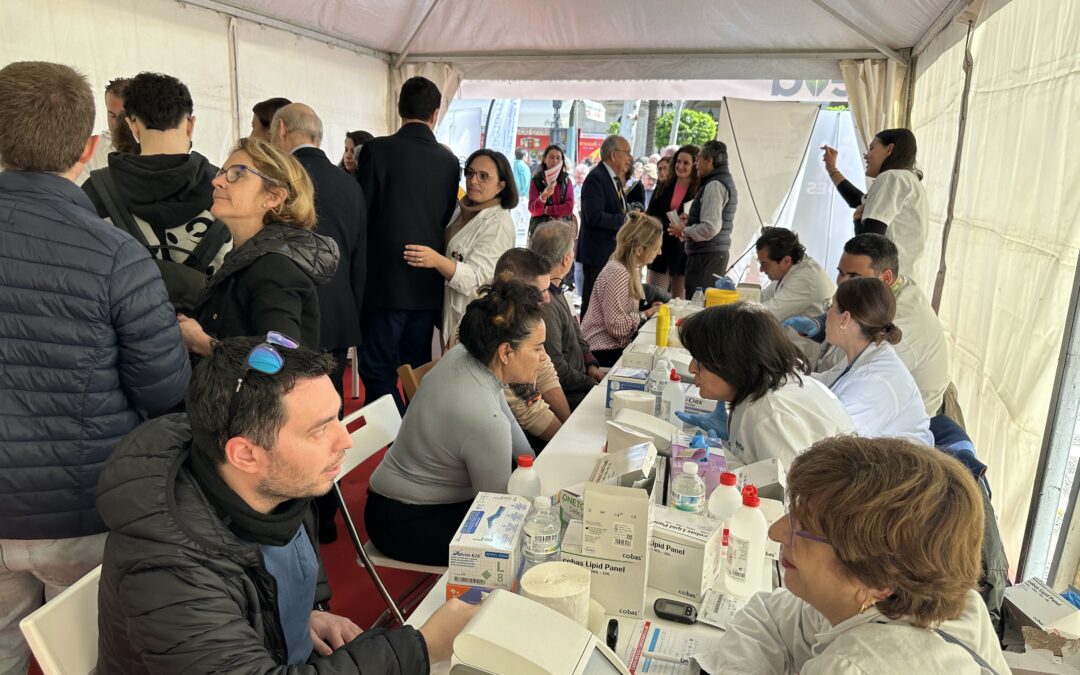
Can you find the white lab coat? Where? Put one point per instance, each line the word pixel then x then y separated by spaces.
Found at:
pixel 802 292
pixel 922 347
pixel 784 422
pixel 475 248
pixel 898 199
pixel 780 634
pixel 880 395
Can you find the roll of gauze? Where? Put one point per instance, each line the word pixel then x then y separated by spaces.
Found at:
pixel 634 400
pixel 562 586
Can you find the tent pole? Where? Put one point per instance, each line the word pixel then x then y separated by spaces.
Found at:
pixel 234 81
pixel 412 38
pixel 878 44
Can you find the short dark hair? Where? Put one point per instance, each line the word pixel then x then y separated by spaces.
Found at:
pixel 882 252
pixel 780 242
pixel 419 99
pixel 265 110
pixel 541 168
pixel 506 311
pixel 508 198
pixel 716 151
pixel 159 101
pixel 46 117
pixel 744 344
pixel 904 150
pixel 261 411
pixel 359 137
pixel 117 85
pixel 521 264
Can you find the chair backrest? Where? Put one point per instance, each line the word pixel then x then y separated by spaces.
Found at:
pixel 410 377
pixel 381 424
pixel 63 633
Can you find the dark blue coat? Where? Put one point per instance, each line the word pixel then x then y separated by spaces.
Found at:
pixel 89 345
pixel 602 214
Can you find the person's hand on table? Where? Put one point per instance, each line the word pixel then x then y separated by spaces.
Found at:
pixel 443 626
pixel 715 424
pixel 653 309
pixel 595 373
pixel 804 326
pixel 330 631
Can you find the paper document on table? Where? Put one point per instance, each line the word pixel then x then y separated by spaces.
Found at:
pixel 718 608
pixel 649 636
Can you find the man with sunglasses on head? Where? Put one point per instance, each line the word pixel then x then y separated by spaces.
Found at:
pixel 212 563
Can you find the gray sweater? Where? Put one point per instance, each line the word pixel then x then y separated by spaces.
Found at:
pixel 457 437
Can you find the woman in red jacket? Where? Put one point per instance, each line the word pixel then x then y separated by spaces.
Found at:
pixel 554 199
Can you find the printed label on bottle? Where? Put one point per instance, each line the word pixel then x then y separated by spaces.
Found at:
pixel 737 554
pixel 623 535
pixel 542 544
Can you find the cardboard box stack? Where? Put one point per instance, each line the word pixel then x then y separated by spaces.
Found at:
pixel 485 552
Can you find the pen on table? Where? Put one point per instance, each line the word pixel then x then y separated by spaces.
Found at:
pixel 666 658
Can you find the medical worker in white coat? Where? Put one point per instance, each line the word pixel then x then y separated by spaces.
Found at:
pixel 882 554
pixel 896 204
pixel 872 382
pixel 800 285
pixel 742 358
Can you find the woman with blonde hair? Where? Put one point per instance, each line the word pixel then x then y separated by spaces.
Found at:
pixel 882 554
pixel 266 199
pixel 874 385
pixel 615 308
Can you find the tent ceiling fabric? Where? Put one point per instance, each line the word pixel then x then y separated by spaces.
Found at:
pixel 590 40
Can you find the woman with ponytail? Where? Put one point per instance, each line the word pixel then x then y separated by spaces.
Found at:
pixel 872 382
pixel 458 436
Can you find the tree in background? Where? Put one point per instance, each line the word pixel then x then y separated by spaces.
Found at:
pixel 613 128
pixel 694 127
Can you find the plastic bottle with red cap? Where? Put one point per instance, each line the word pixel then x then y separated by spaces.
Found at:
pixel 524 482
pixel 748 533
pixel 673 400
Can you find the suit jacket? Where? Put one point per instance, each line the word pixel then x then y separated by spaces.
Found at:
pixel 342 213
pixel 602 214
pixel 410 182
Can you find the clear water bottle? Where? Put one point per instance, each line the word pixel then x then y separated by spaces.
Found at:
pixel 658 380
pixel 689 489
pixel 524 482
pixel 542 528
pixel 699 297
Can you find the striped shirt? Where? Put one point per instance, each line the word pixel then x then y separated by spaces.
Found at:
pixel 613 316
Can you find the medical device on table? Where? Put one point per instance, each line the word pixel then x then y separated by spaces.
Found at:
pixel 512 635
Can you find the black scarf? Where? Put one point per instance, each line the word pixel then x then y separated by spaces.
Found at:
pixel 273 529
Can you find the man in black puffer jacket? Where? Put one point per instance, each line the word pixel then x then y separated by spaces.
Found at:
pixel 88 344
pixel 212 564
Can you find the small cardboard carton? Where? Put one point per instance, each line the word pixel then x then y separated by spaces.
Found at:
pixel 685 556
pixel 486 549
pixel 618 586
pixel 641 356
pixel 621 437
pixel 695 404
pixel 768 476
pixel 627 467
pixel 1033 603
pixel 620 379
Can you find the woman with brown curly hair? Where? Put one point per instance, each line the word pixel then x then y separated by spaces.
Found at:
pixel 881 556
pixel 267 201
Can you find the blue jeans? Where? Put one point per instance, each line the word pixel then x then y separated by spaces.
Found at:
pixel 393 337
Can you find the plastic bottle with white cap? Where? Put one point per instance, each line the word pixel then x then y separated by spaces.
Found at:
pixel 748 531
pixel 524 482
pixel 657 380
pixel 542 527
pixel 688 489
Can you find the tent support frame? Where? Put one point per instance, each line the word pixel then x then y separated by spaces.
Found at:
pixel 889 52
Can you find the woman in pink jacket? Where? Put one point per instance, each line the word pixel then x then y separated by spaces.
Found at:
pixel 551 199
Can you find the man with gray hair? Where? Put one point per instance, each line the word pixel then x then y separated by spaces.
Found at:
pixel 342 215
pixel 565 344
pixel 603 211
pixel 707 228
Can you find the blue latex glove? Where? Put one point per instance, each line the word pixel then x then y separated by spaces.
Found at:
pixel 715 424
pixel 725 283
pixel 804 326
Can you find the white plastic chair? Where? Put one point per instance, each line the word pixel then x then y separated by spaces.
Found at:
pixel 63 633
pixel 381 424
pixel 354 360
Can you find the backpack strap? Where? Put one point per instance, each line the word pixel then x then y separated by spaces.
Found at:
pixel 974 655
pixel 116 206
pixel 216 236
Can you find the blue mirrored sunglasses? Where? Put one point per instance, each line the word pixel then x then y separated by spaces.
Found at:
pixel 263 358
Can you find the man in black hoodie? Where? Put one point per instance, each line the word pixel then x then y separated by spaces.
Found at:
pixel 212 563
pixel 167 186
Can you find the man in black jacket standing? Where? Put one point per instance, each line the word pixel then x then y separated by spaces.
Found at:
pixel 212 565
pixel 88 344
pixel 603 211
pixel 342 214
pixel 410 182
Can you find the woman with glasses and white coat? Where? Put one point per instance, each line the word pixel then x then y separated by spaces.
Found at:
pixel 266 199
pixel 874 385
pixel 480 231
pixel 881 552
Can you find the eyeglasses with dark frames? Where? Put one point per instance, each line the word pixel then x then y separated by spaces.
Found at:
pixel 234 172
pixel 481 176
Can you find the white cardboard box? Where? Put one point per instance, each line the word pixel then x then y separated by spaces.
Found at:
pixel 625 467
pixel 695 404
pixel 621 437
pixel 621 379
pixel 768 476
pixel 685 555
pixel 486 549
pixel 619 586
pixel 1036 604
pixel 638 355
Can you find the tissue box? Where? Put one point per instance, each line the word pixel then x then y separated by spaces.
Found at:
pixel 685 555
pixel 486 549
pixel 619 586
pixel 639 356
pixel 619 379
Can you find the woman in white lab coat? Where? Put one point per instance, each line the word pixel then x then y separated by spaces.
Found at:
pixel 742 358
pixel 881 555
pixel 872 382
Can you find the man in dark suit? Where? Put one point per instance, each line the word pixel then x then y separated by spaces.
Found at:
pixel 603 210
pixel 342 214
pixel 410 182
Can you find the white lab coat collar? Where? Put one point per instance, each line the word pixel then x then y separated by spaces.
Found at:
pixel 829 635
